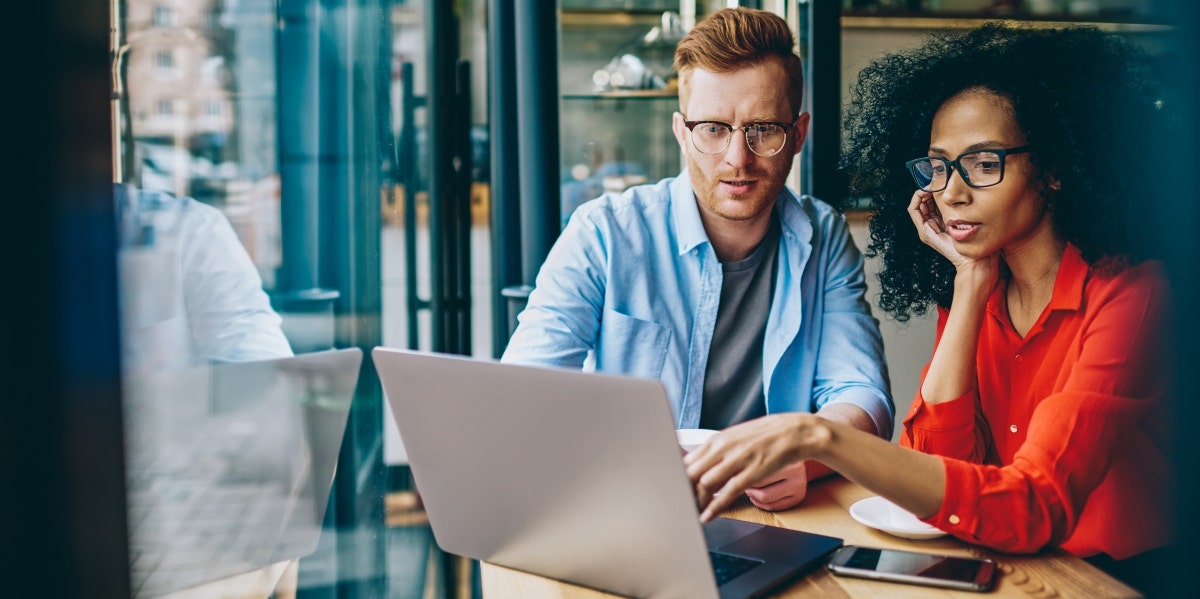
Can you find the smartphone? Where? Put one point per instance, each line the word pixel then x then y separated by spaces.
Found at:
pixel 951 572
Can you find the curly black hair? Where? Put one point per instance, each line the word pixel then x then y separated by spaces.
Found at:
pixel 1087 101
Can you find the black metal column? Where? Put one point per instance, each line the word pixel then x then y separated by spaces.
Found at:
pixel 442 48
pixel 538 141
pixel 457 236
pixel 505 183
pixel 537 118
pixel 409 180
pixel 821 48
pixel 446 134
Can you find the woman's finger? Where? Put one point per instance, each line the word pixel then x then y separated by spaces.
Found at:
pixel 921 210
pixel 722 499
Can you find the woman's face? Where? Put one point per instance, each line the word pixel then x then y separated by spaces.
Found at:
pixel 1002 217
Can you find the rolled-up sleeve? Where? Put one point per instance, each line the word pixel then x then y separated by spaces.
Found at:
pixel 851 366
pixel 561 320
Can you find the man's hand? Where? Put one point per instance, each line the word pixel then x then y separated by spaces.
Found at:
pixel 783 490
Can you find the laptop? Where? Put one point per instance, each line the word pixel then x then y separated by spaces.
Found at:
pixel 229 466
pixel 574 476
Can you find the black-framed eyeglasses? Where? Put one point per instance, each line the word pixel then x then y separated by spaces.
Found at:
pixel 978 168
pixel 765 138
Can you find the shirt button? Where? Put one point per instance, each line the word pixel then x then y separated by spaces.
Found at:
pixel 953 519
pixel 1018 357
pixel 1012 428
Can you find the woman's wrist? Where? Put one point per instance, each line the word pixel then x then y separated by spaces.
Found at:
pixel 974 280
pixel 815 436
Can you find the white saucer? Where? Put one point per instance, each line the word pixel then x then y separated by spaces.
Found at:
pixel 884 515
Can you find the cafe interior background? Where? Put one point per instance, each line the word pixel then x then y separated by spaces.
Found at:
pixel 395 170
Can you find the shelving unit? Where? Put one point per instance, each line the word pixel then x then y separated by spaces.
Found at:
pixel 968 21
pixel 611 139
pixel 614 140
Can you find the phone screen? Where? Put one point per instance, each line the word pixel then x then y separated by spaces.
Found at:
pixel 908 566
pixel 915 564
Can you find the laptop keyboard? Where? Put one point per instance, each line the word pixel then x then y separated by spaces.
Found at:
pixel 727 567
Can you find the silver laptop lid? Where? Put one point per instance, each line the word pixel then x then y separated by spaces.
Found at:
pixel 564 474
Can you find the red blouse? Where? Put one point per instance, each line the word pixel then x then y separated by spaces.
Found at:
pixel 1072 447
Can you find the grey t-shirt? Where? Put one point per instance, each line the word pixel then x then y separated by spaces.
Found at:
pixel 733 385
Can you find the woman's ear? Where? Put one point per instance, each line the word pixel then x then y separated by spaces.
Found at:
pixel 1052 181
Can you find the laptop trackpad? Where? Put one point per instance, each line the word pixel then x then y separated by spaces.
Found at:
pixel 723 531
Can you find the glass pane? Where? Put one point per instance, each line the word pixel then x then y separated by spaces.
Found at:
pixel 618 94
pixel 251 143
pixel 418 259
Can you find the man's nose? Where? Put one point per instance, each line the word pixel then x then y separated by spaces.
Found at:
pixel 738 153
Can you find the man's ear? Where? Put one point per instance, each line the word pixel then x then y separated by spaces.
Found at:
pixel 680 130
pixel 799 132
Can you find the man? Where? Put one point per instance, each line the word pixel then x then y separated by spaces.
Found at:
pixel 743 298
pixel 190 294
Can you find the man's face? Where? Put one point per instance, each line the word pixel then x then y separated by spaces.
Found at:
pixel 737 185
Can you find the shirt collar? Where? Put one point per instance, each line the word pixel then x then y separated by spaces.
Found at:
pixel 688 226
pixel 1068 285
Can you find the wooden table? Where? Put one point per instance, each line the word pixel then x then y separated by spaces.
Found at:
pixel 1051 573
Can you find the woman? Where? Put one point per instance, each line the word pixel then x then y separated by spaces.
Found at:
pixel 1041 418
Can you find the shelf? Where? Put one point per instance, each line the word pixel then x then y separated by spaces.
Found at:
pixel 971 21
pixel 633 94
pixel 608 18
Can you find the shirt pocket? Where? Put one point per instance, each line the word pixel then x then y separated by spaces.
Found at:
pixel 632 346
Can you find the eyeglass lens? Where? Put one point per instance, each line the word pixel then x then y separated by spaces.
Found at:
pixel 979 169
pixel 764 139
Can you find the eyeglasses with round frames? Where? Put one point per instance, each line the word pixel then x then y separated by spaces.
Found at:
pixel 765 138
pixel 978 168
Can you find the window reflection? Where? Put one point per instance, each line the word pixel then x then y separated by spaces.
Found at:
pixel 199 226
pixel 229 468
pixel 252 140
pixel 190 294
pixel 232 441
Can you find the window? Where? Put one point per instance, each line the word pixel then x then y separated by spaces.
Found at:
pixel 164 16
pixel 164 60
pixel 221 173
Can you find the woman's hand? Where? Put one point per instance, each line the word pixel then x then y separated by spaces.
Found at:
pixel 932 230
pixel 744 456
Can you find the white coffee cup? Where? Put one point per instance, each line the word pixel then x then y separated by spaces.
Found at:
pixel 692 438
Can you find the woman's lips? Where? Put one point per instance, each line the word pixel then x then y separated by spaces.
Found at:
pixel 961 230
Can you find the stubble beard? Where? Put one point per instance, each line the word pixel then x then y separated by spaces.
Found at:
pixel 746 208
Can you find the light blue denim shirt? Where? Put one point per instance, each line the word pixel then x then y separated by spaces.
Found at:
pixel 190 294
pixel 634 282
